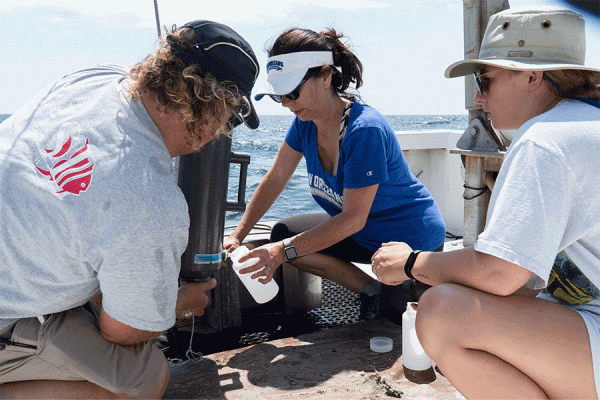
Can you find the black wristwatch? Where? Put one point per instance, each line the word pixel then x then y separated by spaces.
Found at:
pixel 289 251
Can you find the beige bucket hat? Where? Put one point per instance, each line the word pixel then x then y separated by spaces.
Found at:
pixel 530 39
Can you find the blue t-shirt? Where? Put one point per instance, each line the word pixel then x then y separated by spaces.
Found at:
pixel 403 209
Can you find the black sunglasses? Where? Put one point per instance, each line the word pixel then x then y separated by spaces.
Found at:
pixel 483 85
pixel 236 115
pixel 294 94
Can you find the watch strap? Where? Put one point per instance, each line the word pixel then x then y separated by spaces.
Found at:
pixel 410 262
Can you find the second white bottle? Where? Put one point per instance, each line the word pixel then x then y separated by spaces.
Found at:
pixel 413 355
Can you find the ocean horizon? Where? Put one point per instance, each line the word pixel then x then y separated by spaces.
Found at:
pixel 263 143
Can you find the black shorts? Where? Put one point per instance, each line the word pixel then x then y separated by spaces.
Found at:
pixel 346 250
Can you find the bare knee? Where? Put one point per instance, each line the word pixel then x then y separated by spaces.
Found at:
pixel 443 310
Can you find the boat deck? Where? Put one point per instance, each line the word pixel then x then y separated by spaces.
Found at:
pixel 322 354
pixel 336 363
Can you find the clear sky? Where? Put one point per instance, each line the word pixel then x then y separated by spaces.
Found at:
pixel 405 45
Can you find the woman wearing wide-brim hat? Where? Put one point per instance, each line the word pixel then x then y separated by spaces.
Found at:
pixel 542 230
pixel 356 173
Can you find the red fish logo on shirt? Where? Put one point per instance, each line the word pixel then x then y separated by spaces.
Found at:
pixel 74 174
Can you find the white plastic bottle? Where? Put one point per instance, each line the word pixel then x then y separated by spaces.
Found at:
pixel 261 292
pixel 413 355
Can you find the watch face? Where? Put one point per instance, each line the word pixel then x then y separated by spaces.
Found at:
pixel 290 253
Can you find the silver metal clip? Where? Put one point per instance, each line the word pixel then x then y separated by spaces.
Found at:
pixel 478 137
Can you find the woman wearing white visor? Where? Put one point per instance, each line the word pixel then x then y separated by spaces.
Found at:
pixel 542 230
pixel 356 173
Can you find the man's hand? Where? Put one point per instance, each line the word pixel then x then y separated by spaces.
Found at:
pixel 192 299
pixel 388 262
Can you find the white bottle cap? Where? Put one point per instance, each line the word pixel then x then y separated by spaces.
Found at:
pixel 381 344
pixel 410 310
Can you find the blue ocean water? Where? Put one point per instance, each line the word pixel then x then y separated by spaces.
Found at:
pixel 263 143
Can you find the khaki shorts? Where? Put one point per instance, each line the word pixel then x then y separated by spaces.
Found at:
pixel 69 347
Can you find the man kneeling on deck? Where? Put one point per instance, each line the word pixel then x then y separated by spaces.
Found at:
pixel 90 209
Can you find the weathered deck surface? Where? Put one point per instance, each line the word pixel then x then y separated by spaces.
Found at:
pixel 332 364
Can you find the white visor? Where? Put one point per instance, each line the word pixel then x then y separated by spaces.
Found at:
pixel 285 71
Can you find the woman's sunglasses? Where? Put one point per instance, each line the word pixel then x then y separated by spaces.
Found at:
pixel 294 94
pixel 483 84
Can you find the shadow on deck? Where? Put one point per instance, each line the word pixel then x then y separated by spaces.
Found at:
pixel 336 363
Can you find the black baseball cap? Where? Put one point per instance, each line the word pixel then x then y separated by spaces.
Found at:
pixel 226 55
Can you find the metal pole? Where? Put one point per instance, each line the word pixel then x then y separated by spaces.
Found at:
pixel 476 15
pixel 156 15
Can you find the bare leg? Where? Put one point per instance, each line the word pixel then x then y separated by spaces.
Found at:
pixel 73 389
pixel 344 273
pixel 512 347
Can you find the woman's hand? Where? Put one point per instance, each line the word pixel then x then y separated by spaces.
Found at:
pixel 192 299
pixel 270 257
pixel 231 243
pixel 388 262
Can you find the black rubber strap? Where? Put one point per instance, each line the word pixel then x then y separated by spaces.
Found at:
pixel 5 342
pixel 482 190
pixel 410 262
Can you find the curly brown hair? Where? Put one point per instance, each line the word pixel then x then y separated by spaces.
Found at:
pixel 195 94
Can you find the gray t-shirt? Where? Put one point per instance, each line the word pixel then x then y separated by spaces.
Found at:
pixel 89 205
